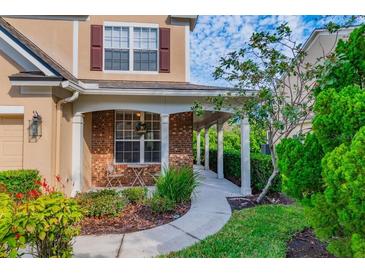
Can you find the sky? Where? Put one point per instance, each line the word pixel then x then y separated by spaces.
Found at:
pixel 215 36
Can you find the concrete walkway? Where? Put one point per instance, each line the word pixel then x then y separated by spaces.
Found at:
pixel 208 214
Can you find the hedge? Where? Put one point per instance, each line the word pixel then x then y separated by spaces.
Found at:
pixel 20 181
pixel 261 169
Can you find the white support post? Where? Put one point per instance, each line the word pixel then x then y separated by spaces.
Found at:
pixel 164 141
pixel 198 150
pixel 245 158
pixel 206 149
pixel 77 152
pixel 220 172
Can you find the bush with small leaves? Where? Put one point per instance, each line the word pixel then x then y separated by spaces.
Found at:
pixel 103 203
pixel 160 205
pixel 338 214
pixel 135 194
pixel 300 166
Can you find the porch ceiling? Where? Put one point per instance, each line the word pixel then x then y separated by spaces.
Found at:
pixel 209 118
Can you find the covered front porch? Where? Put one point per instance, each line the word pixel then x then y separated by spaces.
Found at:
pixel 105 133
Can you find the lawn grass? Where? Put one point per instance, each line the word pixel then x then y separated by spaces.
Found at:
pixel 261 232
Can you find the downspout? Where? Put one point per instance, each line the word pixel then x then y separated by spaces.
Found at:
pixel 59 104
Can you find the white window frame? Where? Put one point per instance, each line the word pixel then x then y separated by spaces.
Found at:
pixel 141 140
pixel 131 46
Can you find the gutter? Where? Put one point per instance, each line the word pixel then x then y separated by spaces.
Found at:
pixel 72 98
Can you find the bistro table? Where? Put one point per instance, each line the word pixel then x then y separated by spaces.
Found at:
pixel 138 170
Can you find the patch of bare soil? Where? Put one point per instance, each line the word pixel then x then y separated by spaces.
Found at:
pixel 305 244
pixel 134 217
pixel 238 203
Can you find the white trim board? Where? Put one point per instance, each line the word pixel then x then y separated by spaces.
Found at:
pixel 11 110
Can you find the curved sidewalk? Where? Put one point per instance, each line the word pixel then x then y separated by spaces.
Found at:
pixel 208 213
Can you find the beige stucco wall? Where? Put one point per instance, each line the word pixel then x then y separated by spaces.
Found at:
pixel 177 61
pixel 52 36
pixel 37 155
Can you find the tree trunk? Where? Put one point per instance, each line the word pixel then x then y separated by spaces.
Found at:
pixel 273 174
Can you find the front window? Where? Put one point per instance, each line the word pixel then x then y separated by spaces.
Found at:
pixel 129 48
pixel 133 145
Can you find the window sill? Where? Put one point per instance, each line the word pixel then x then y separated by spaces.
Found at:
pixel 130 72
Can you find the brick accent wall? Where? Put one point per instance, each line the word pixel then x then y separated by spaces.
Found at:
pixel 181 139
pixel 102 153
pixel 102 148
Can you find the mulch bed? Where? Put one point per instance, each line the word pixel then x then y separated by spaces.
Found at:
pixel 238 203
pixel 134 217
pixel 305 244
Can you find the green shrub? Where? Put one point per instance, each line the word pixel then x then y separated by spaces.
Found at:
pixel 160 205
pixel 300 166
pixel 106 202
pixel 339 115
pixel 261 169
pixel 20 181
pixel 338 214
pixel 177 184
pixel 135 194
pixel 47 225
pixel 9 242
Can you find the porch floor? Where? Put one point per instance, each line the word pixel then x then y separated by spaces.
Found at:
pixel 208 214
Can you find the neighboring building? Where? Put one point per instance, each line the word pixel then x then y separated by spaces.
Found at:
pixel 79 94
pixel 320 43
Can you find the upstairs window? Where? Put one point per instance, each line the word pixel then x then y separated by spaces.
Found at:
pixel 130 48
pixel 145 49
pixel 116 48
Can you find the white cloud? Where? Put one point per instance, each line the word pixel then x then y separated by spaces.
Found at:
pixel 215 36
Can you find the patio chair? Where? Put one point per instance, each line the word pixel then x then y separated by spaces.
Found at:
pixel 112 175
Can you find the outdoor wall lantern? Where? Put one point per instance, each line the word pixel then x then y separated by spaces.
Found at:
pixel 35 126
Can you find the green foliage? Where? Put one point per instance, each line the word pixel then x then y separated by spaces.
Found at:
pixel 177 184
pixel 339 115
pixel 160 205
pixel 135 194
pixel 47 225
pixel 300 166
pixel 9 242
pixel 106 202
pixel 261 168
pixel 20 181
pixel 232 139
pixel 259 232
pixel 338 213
pixel 346 66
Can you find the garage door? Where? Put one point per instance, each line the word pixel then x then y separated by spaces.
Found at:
pixel 11 142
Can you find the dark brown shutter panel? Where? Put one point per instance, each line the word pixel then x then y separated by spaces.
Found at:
pixel 96 47
pixel 164 50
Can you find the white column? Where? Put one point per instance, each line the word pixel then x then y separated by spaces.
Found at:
pixel 220 149
pixel 164 141
pixel 206 149
pixel 77 152
pixel 198 150
pixel 245 158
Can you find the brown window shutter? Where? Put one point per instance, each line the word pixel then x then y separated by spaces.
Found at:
pixel 96 47
pixel 164 50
